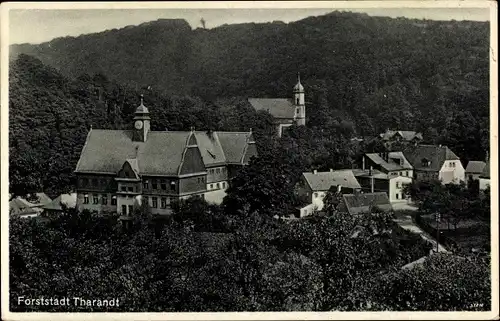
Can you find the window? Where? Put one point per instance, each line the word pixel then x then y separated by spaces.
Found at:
pixel 218 170
pixel 124 209
pixel 400 173
pixel 163 202
pixel 407 174
pixel 84 182
pixel 104 199
pixel 315 195
pixel 145 185
pixel 130 188
pixel 96 199
pixel 113 200
pixel 298 101
pixel 155 202
pixel 85 199
pixel 398 185
pixel 172 186
pixel 124 188
pixel 164 186
pixel 211 186
pixel 223 169
pixel 131 209
pixel 146 200
pixel 397 196
pixel 94 182
pixel 103 182
pixel 223 184
pixel 154 184
pixel 218 186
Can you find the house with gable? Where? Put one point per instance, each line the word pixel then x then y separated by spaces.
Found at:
pixel 391 163
pixel 285 111
pixel 435 162
pixel 391 137
pixel 313 186
pixel 120 170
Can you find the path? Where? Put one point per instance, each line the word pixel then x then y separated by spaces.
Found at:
pixel 406 222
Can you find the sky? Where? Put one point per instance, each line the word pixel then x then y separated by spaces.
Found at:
pixel 41 25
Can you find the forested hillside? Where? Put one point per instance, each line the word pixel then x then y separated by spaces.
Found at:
pixel 384 72
pixel 362 75
pixel 50 116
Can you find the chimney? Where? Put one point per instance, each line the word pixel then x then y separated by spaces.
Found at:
pixel 371 180
pixel 166 129
pixel 331 170
pixel 315 171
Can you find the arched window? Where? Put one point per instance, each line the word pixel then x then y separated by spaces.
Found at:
pixel 298 101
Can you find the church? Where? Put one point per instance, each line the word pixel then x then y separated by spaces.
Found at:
pixel 119 170
pixel 285 111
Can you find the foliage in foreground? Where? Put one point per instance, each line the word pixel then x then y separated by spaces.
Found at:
pixel 257 264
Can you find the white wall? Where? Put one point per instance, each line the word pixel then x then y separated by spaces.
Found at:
pixel 484 183
pixel 452 171
pixel 216 195
pixel 307 210
pixel 317 200
pixel 396 185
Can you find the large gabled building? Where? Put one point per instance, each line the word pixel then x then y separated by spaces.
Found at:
pixel 119 170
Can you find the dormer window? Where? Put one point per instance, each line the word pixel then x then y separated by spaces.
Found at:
pixel 426 162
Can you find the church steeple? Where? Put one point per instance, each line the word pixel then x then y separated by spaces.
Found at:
pixel 299 102
pixel 141 122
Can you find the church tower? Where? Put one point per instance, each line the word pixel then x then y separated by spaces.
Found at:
pixel 299 102
pixel 141 122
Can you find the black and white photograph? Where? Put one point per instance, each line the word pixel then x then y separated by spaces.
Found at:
pixel 302 159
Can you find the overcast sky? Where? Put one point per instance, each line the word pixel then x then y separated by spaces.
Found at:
pixel 36 26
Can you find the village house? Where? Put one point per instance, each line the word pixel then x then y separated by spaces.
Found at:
pixel 119 170
pixel 372 180
pixel 285 111
pixel 484 177
pixel 63 201
pixel 29 206
pixel 435 162
pixel 474 169
pixel 313 186
pixel 359 203
pixel 391 137
pixel 390 163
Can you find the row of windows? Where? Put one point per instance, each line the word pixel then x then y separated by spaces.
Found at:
pixel 127 188
pixel 217 185
pixel 95 199
pixel 161 184
pixel 164 201
pixel 407 173
pixel 94 182
pixel 213 171
pixel 453 164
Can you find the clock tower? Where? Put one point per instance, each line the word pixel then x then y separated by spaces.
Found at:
pixel 141 122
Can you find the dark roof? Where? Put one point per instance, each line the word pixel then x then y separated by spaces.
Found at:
pixel 67 199
pixel 392 163
pixel 236 146
pixel 407 135
pixel 437 155
pixel 476 167
pixel 375 173
pixel 105 151
pixel 322 181
pixel 278 107
pixel 361 202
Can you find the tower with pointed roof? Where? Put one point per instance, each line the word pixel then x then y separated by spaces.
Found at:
pixel 299 102
pixel 141 122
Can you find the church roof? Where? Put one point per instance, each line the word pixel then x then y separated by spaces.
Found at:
pixel 105 151
pixel 277 107
pixel 298 87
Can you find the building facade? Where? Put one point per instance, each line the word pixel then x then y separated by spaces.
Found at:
pixel 374 181
pixel 285 111
pixel 435 162
pixel 119 170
